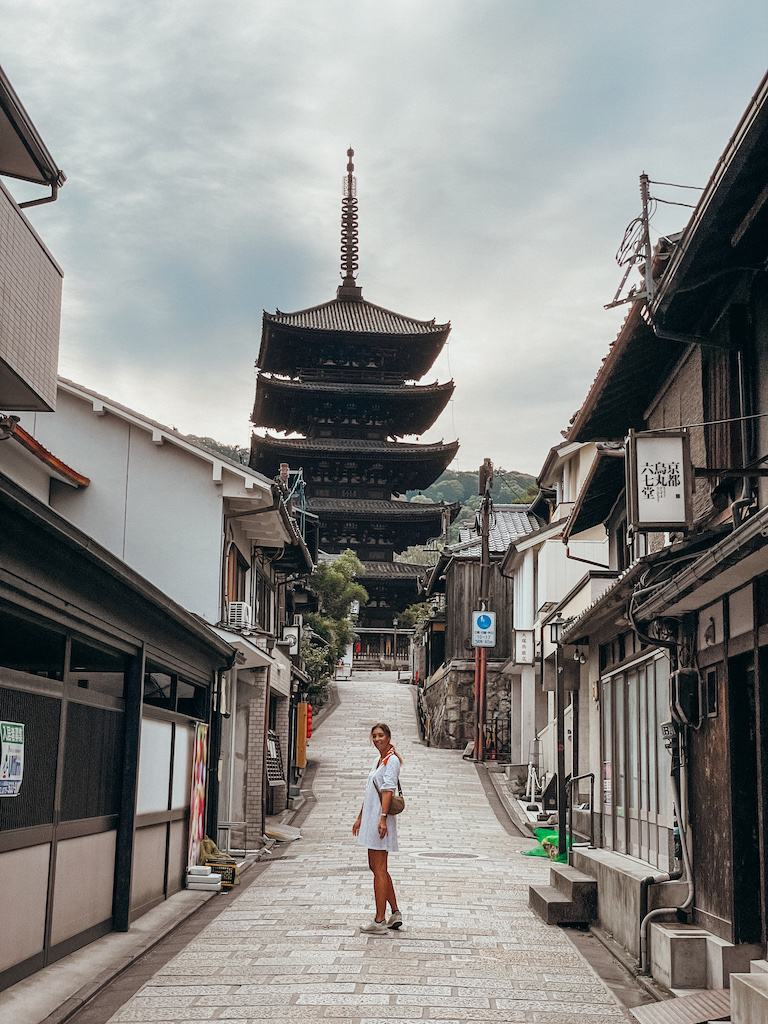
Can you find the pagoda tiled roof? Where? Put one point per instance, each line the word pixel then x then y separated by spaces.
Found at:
pixel 357 316
pixel 414 391
pixel 355 446
pixel 369 508
pixel 393 570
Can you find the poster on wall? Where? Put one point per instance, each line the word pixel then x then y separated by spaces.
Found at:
pixel 197 798
pixel 11 758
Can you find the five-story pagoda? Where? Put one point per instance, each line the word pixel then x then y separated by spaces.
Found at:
pixel 342 374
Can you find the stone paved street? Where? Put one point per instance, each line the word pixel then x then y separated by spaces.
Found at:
pixel 289 948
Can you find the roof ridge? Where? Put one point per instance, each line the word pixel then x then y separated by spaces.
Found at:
pixel 356 303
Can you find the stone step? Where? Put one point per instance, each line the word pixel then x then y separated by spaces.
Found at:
pixel 554 907
pixel 573 883
pixel 749 998
pixel 758 966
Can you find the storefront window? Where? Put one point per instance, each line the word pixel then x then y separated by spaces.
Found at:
pixel 26 646
pixel 96 670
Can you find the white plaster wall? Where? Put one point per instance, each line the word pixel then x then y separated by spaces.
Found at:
pixel 24 469
pixel 557 574
pixel 523 598
pixel 154 506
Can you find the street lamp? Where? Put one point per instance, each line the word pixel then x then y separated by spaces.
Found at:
pixel 556 628
pixel 394 624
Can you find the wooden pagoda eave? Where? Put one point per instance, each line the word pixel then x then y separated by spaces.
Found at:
pixel 291 405
pixel 408 466
pixel 284 348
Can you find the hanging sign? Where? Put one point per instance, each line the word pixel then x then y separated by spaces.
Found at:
pixel 659 481
pixel 11 758
pixel 483 629
pixel 524 647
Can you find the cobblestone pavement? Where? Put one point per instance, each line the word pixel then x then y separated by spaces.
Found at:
pixel 290 949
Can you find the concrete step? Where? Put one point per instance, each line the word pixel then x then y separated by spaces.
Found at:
pixel 554 907
pixel 573 883
pixel 749 998
pixel 758 966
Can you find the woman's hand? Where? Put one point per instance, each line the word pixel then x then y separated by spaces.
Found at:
pixel 382 826
pixel 356 826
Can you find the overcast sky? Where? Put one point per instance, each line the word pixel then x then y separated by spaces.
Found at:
pixel 498 147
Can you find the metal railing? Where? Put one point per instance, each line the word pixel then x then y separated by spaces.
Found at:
pixel 569 801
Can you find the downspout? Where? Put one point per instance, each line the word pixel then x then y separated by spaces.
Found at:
pixel 264 777
pixel 746 493
pixel 39 202
pixel 587 561
pixel 670 877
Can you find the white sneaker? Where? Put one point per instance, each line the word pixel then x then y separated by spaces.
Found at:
pixel 395 920
pixel 375 928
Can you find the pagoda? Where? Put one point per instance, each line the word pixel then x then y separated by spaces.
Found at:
pixel 342 374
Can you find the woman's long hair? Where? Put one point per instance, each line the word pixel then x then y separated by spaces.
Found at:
pixel 388 733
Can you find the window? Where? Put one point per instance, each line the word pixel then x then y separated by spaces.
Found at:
pixel 636 792
pixel 26 646
pixel 171 693
pixel 237 570
pixel 96 670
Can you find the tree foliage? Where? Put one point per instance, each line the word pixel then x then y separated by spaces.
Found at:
pixel 329 632
pixel 335 586
pixel 231 451
pixel 414 615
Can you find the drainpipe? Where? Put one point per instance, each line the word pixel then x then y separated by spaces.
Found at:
pixel 688 874
pixel 587 561
pixel 746 493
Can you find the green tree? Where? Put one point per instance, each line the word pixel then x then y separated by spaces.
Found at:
pixel 328 632
pixel 414 615
pixel 335 586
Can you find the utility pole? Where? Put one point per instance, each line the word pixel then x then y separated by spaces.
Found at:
pixel 485 484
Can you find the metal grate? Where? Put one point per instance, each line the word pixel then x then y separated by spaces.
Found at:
pixel 275 773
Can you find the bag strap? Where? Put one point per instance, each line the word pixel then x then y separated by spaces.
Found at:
pixel 399 788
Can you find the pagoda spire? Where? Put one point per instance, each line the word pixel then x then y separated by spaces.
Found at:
pixel 348 289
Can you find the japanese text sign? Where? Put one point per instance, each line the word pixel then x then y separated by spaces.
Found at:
pixel 524 647
pixel 483 629
pixel 658 481
pixel 11 758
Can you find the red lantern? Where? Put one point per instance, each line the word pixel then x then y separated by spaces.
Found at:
pixel 309 720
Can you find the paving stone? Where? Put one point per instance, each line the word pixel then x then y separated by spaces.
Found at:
pixel 289 947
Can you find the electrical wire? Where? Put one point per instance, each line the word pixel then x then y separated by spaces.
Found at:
pixel 671 202
pixel 671 184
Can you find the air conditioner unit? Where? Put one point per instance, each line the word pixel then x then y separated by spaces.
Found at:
pixel 239 614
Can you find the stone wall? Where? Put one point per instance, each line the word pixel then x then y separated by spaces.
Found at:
pixel 451 704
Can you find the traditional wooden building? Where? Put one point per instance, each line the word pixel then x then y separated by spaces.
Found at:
pixel 342 374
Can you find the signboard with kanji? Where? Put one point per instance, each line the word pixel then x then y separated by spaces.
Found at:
pixel 659 481
pixel 11 758
pixel 524 647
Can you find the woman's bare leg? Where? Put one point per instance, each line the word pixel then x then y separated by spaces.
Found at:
pixel 383 890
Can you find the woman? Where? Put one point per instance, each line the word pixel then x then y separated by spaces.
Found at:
pixel 377 830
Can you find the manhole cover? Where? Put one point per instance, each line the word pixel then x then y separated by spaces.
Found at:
pixel 447 855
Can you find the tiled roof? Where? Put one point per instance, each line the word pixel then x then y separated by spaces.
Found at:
pixel 508 523
pixel 354 507
pixel 353 446
pixel 33 445
pixel 402 570
pixel 358 316
pixel 415 391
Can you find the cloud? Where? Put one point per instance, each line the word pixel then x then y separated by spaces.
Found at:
pixel 498 146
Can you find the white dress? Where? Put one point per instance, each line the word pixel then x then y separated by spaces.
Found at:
pixel 385 776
